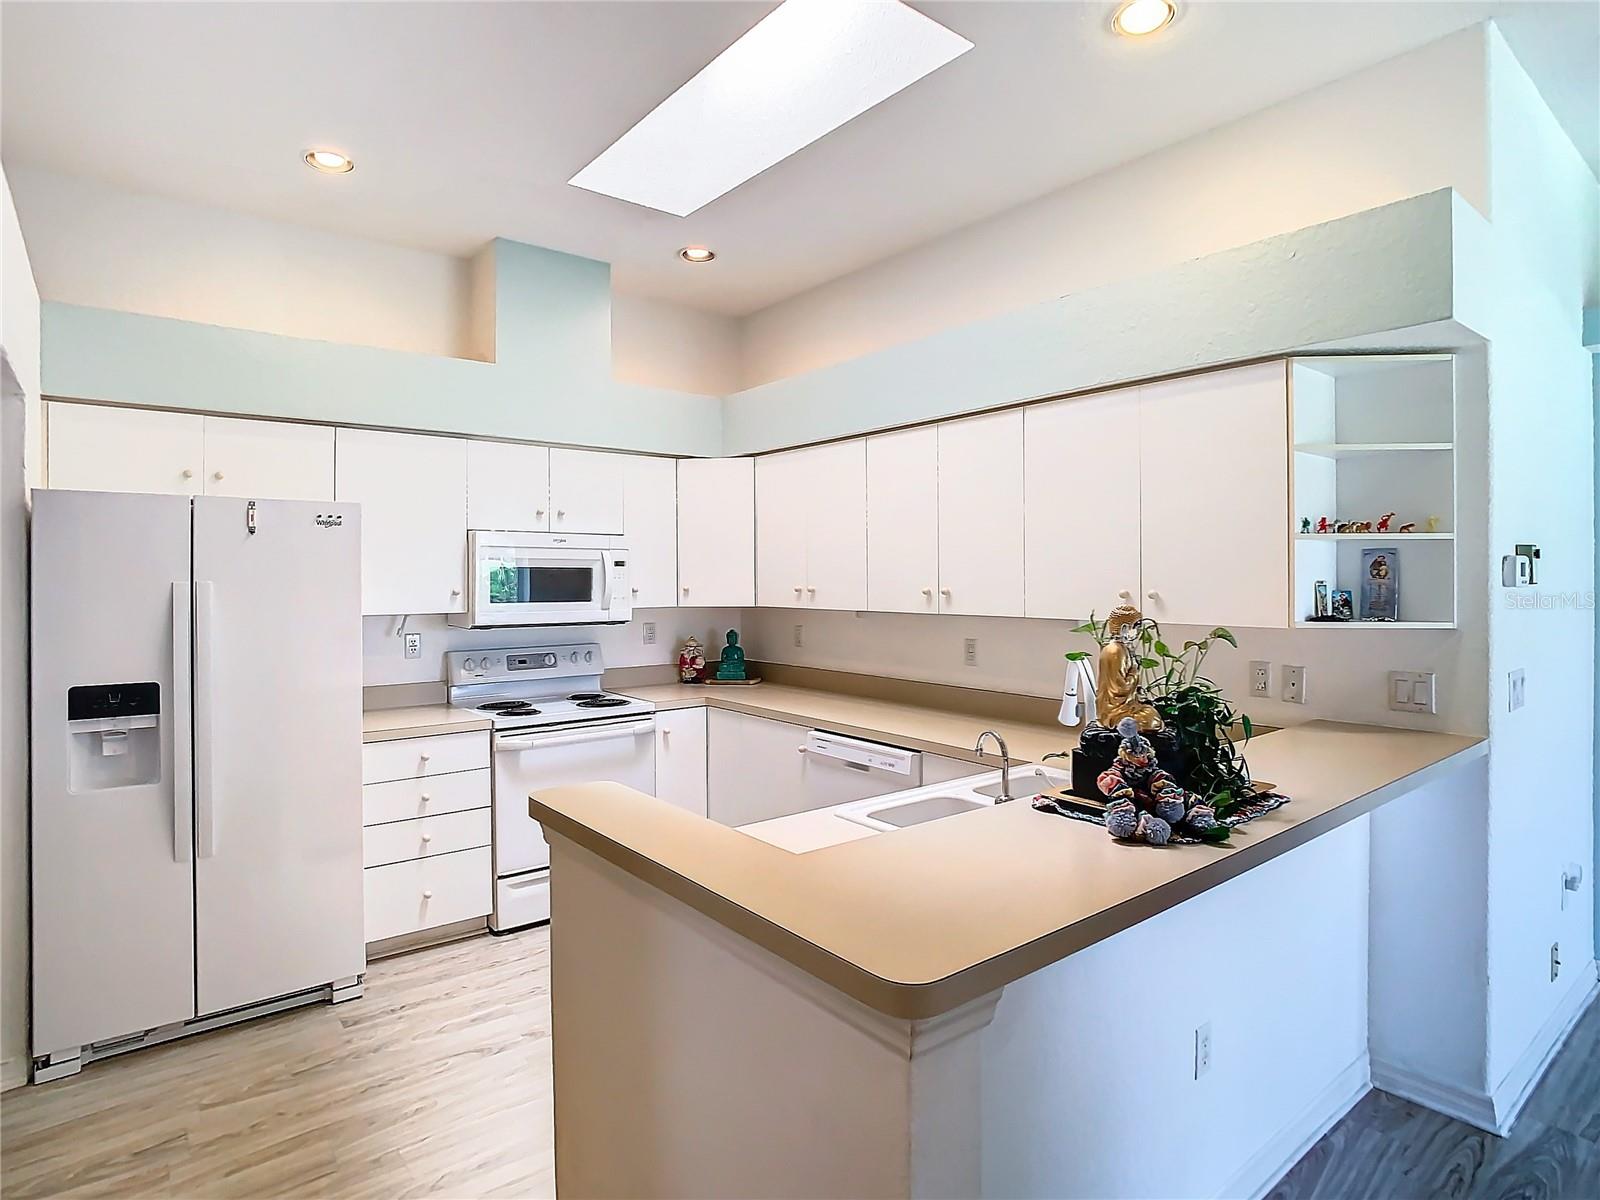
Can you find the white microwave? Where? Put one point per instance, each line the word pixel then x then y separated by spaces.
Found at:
pixel 544 579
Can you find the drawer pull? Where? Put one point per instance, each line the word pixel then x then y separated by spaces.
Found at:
pixel 426 838
pixel 426 797
pixel 425 757
pixel 427 894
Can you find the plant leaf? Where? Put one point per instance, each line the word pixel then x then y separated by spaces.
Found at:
pixel 1077 655
pixel 1225 635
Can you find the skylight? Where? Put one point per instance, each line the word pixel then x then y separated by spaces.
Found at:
pixel 807 68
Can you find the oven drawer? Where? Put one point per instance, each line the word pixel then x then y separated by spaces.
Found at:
pixel 428 796
pixel 412 758
pixel 425 837
pixel 409 896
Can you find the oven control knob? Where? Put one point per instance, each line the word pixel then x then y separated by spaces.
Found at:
pixel 469 665
pixel 588 656
pixel 549 660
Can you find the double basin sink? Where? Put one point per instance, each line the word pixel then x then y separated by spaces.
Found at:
pixel 937 801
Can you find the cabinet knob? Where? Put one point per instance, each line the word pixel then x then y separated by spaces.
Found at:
pixel 1125 594
pixel 426 838
pixel 944 591
pixel 455 591
pixel 427 894
pixel 538 512
pixel 635 591
pixel 811 591
pixel 799 749
pixel 216 474
pixel 426 797
pixel 561 512
pixel 666 733
pixel 927 591
pixel 425 757
pixel 797 589
pixel 1152 595
pixel 187 473
pixel 686 590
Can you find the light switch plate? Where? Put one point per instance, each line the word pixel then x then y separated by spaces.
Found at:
pixel 1516 690
pixel 1412 691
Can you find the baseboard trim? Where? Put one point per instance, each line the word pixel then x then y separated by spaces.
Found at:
pixel 1467 1105
pixel 1513 1091
pixel 1261 1173
pixel 13 1072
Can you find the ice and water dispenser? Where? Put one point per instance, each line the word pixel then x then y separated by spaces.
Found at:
pixel 114 736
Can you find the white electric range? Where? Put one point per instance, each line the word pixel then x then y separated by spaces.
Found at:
pixel 553 725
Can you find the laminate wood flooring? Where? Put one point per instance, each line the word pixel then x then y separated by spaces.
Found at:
pixel 435 1083
pixel 1390 1149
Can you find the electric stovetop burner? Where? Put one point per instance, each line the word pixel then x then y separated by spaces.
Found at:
pixel 510 708
pixel 582 696
pixel 601 701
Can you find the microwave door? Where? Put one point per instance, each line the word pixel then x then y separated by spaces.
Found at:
pixel 517 585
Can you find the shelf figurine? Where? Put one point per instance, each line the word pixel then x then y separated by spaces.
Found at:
pixel 1409 527
pixel 1383 522
pixel 1305 524
pixel 730 668
pixel 692 661
pixel 1433 524
pixel 1322 525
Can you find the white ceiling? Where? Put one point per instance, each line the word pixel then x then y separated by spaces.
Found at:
pixel 466 119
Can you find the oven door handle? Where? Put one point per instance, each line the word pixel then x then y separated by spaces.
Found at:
pixel 608 733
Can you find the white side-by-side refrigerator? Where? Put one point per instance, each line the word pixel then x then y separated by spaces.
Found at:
pixel 196 735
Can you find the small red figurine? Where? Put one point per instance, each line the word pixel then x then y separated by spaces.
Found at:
pixel 1383 522
pixel 1322 524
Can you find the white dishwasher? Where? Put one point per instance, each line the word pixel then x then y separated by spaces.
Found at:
pixel 836 769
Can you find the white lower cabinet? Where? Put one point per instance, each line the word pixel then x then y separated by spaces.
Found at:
pixel 428 830
pixel 681 762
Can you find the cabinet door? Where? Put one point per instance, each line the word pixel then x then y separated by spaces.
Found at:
pixel 1081 505
pixel 269 460
pixel 585 491
pixel 834 500
pixel 101 449
pixel 781 485
pixel 508 486
pixel 1214 498
pixel 754 768
pixel 903 521
pixel 980 515
pixel 413 496
pixel 681 758
pixel 650 528
pixel 716 532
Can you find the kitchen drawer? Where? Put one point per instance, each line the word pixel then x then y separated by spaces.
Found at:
pixel 425 837
pixel 408 896
pixel 411 758
pixel 428 796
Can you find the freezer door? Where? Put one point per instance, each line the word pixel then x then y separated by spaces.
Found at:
pixel 112 873
pixel 277 748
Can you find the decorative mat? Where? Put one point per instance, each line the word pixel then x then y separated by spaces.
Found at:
pixel 1259 807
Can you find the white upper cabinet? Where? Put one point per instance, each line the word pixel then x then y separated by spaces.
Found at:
pixel 508 486
pixel 1214 515
pixel 268 459
pixel 97 448
pixel 585 491
pixel 981 515
pixel 811 527
pixel 716 532
pixel 1081 519
pixel 903 521
pixel 413 495
pixel 650 528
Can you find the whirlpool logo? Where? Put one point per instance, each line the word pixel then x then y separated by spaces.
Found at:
pixel 330 520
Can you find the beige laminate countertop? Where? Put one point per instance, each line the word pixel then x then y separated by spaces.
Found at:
pixel 916 922
pixel 418 720
pixel 935 730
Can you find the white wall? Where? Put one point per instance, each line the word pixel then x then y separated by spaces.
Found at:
pixel 102 247
pixel 19 456
pixel 1397 129
pixel 384 660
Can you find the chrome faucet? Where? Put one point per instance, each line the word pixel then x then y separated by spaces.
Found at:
pixel 1005 763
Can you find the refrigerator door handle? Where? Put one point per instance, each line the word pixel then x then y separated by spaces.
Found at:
pixel 205 789
pixel 181 714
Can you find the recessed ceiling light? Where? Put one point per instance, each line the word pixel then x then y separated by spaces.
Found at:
pixel 697 254
pixel 330 161
pixel 1140 17
pixel 802 71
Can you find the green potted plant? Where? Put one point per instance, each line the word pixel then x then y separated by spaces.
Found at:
pixel 1203 720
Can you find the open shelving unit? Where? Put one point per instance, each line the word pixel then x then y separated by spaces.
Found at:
pixel 1374 434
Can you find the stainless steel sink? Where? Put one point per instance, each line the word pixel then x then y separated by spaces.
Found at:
pixel 916 812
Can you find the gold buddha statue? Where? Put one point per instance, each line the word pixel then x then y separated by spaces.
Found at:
pixel 1117 694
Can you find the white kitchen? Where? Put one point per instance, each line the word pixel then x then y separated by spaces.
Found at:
pixel 650 599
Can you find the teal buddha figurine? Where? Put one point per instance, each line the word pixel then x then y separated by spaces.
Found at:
pixel 731 664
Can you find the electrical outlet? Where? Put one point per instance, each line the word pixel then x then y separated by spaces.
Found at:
pixel 649 633
pixel 1517 693
pixel 1294 685
pixel 1555 960
pixel 969 653
pixel 1261 679
pixel 1202 1050
pixel 413 645
pixel 799 635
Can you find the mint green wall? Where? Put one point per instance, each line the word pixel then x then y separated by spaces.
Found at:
pixel 551 380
